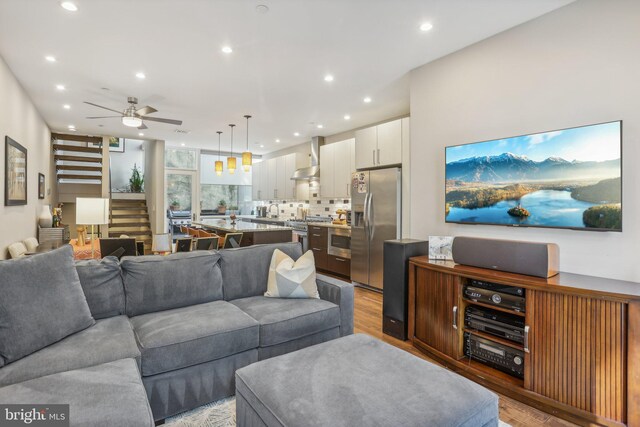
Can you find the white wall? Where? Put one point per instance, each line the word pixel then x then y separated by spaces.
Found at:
pixel 575 66
pixel 122 163
pixel 154 185
pixel 20 120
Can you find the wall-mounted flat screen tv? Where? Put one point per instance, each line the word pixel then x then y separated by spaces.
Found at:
pixel 569 178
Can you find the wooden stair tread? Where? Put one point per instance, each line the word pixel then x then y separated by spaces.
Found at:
pixel 144 215
pixel 78 158
pixel 75 176
pixel 128 208
pixel 129 224
pixel 63 147
pixel 79 168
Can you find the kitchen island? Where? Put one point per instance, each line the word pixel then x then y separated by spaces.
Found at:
pixel 252 233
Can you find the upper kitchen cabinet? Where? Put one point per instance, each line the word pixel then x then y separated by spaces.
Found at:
pixel 337 162
pixel 256 170
pixel 272 179
pixel 380 145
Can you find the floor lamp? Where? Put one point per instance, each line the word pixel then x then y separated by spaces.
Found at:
pixel 92 211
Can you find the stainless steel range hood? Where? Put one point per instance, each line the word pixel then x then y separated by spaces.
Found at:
pixel 312 171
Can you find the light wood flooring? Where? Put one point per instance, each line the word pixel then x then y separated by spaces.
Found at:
pixel 368 320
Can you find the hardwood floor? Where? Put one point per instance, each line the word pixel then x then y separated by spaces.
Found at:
pixel 368 320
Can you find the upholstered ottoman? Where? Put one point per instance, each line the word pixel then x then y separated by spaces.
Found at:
pixel 358 381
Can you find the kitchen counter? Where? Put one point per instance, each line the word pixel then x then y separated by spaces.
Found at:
pixel 329 225
pixel 240 226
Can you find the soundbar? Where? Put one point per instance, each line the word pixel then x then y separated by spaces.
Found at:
pixel 530 258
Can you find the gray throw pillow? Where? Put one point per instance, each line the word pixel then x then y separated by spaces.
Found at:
pixel 102 285
pixel 41 302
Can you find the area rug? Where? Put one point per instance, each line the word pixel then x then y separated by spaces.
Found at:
pixel 217 414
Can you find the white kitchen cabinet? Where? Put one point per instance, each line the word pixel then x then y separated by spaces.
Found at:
pixel 337 161
pixel 281 178
pixel 327 170
pixel 366 145
pixel 389 151
pixel 256 170
pixel 272 179
pixel 289 185
pixel 379 145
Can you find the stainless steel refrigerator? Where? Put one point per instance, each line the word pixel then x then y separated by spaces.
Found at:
pixel 375 217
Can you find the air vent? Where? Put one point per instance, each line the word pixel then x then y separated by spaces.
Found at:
pixel 182 131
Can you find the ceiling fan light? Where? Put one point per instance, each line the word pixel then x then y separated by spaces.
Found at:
pixel 231 164
pixel 132 122
pixel 219 167
pixel 247 161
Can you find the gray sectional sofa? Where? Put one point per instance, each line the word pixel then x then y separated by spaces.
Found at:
pixel 176 327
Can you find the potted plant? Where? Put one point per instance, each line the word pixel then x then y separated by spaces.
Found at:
pixel 136 182
pixel 174 205
pixel 222 207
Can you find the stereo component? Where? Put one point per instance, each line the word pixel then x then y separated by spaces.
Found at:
pixel 496 355
pixel 530 258
pixel 496 323
pixel 500 299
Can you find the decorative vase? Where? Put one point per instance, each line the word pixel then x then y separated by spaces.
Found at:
pixel 45 219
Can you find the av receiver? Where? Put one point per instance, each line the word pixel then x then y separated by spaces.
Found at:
pixel 493 322
pixel 491 293
pixel 496 355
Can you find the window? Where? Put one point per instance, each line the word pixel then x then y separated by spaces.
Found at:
pixel 179 158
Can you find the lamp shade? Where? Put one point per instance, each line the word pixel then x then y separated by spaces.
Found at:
pixel 92 211
pixel 231 164
pixel 161 243
pixel 219 167
pixel 246 161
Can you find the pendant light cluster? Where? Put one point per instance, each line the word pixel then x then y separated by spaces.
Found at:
pixel 247 157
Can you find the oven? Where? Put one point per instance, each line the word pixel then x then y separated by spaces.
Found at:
pixel 339 243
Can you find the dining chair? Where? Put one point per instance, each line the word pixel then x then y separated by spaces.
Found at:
pixel 206 243
pixel 192 231
pixel 232 240
pixel 184 229
pixel 184 245
pixel 203 233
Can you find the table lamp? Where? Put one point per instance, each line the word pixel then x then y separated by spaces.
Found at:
pixel 161 243
pixel 92 211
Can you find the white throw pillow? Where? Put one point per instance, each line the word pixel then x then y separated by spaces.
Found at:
pixel 292 279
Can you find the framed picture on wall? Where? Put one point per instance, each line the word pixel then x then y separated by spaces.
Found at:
pixel 116 144
pixel 41 186
pixel 15 173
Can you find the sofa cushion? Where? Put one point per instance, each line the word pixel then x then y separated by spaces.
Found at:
pixel 292 279
pixel 41 302
pixel 110 394
pixel 108 340
pixel 156 283
pixel 102 285
pixel 283 320
pixel 187 336
pixel 245 270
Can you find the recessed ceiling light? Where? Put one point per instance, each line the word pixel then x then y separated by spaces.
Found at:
pixel 141 134
pixel 66 106
pixel 328 78
pixel 71 127
pixel 182 144
pixel 141 75
pixel 261 145
pixel 60 87
pixel 277 141
pixel 296 134
pixel 320 126
pixel 227 49
pixel 69 5
pixel 347 117
pixel 50 58
pixel 367 100
pixel 426 26
pixel 262 8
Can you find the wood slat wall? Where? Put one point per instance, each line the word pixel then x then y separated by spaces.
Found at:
pixel 436 294
pixel 578 354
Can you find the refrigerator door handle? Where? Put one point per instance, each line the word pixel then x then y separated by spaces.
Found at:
pixel 371 217
pixel 366 216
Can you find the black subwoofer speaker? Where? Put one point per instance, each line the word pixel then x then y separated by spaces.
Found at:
pixel 396 283
pixel 530 258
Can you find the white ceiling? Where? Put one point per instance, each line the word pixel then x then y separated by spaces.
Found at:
pixel 275 72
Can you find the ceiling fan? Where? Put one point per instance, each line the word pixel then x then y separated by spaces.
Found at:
pixel 135 117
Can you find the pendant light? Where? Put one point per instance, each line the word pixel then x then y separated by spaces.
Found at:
pixel 247 160
pixel 231 160
pixel 219 164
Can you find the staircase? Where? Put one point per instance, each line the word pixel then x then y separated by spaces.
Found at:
pixel 130 217
pixel 76 161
